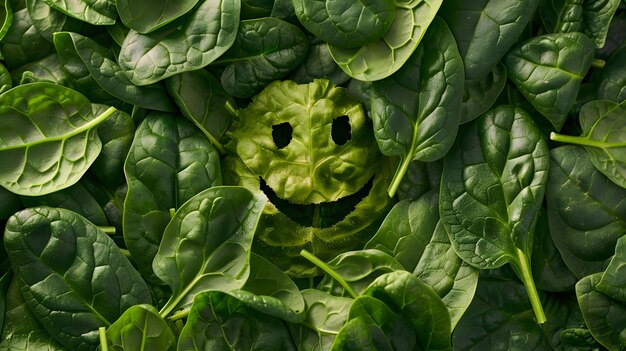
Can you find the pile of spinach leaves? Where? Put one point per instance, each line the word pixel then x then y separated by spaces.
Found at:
pixel 495 211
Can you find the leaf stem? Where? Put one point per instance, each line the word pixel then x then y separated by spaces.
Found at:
pixel 598 63
pixel 107 229
pixel 104 346
pixel 527 278
pixel 577 140
pixel 179 315
pixel 323 266
pixel 397 178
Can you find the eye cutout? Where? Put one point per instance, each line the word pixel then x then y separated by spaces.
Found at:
pixel 282 134
pixel 341 131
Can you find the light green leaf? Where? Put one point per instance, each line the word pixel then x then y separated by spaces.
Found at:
pixel 140 328
pixel 98 12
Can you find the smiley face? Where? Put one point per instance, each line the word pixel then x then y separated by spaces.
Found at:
pixel 311 150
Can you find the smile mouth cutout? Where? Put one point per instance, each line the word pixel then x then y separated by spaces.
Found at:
pixel 322 215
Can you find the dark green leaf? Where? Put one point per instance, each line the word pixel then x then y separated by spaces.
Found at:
pixel 189 43
pixel 57 253
pixel 45 19
pixel 146 16
pixel 612 81
pixel 178 163
pixel 613 282
pixel 6 18
pixel 47 69
pixel 266 49
pixel 318 64
pixel 100 12
pixel 548 71
pixel 48 138
pixel 206 246
pixel 419 179
pixel 140 328
pixel 480 94
pixel 22 43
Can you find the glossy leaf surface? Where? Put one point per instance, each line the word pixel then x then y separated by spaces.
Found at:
pixel 140 328
pixel 48 138
pixel 146 16
pixel 480 94
pixel 56 252
pixel 101 12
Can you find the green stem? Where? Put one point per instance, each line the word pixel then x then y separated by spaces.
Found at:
pixel 109 230
pixel 598 63
pixel 397 178
pixel 179 315
pixel 172 212
pixel 323 266
pixel 104 346
pixel 230 107
pixel 317 218
pixel 527 278
pixel 577 140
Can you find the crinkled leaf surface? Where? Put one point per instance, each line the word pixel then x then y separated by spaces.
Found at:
pixel 613 282
pixel 603 125
pixel 23 43
pixel 419 179
pixel 586 211
pixel 98 12
pixel 419 304
pixel 480 94
pixel 265 50
pixel 104 69
pixel 206 245
pixel 381 58
pixel 485 30
pixel 220 321
pixel 347 25
pixel 140 328
pixel 604 316
pixel 612 81
pixel 169 162
pixel 189 43
pixel 318 64
pixel 45 19
pixel 416 111
pixel 548 71
pixel 312 168
pixel 202 99
pixel 146 16
pixel 71 270
pixel 48 138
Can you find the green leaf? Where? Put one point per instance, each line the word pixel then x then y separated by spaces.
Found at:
pixel 101 12
pixel 612 80
pixel 45 19
pixel 107 74
pixel 485 30
pixel 419 304
pixel 147 16
pixel 6 18
pixel 613 282
pixel 48 138
pixel 318 64
pixel 22 43
pixel 586 211
pixel 202 99
pixel 325 316
pixel 347 25
pixel 604 138
pixel 414 125
pixel 493 185
pixel 548 71
pixel 480 94
pixel 605 316
pixel 381 58
pixel 169 50
pixel 140 328
pixel 162 175
pixel 56 252
pixel 266 49
pixel 47 69
pixel 206 246
pixel 22 331
pixel 219 321
pixel 419 179
pixel 372 325
pixel 312 167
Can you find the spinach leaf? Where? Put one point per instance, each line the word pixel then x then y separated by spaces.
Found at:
pixel 48 138
pixel 6 18
pixel 145 17
pixel 416 111
pixel 76 49
pixel 56 252
pixel 22 331
pixel 485 30
pixel 162 175
pixel 384 56
pixel 217 225
pixel 140 328
pixel 22 43
pixel 613 282
pixel 604 138
pixel 100 12
pixel 202 99
pixel 219 321
pixel 419 304
pixel 189 43
pixel 45 19
pixel 47 69
pixel 612 80
pixel 5 79
pixel 586 211
pixel 419 179
pixel 372 325
pixel 265 50
pixel 493 185
pixel 318 64
pixel 325 316
pixel 480 94
pixel 548 71
pixel 604 315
